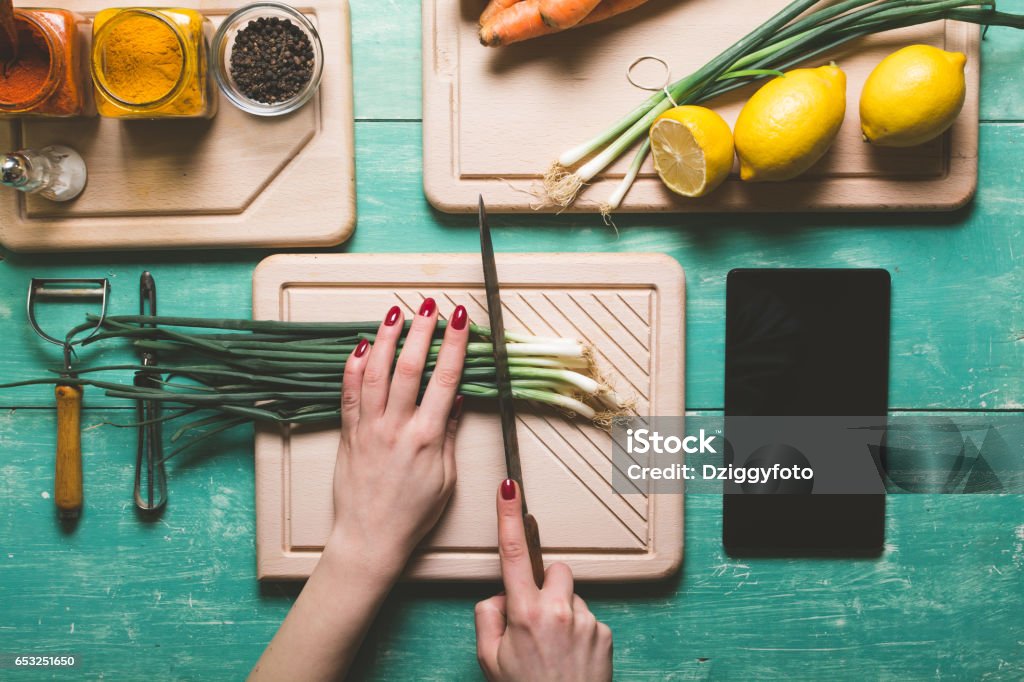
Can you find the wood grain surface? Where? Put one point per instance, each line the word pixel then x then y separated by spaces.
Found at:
pixel 628 307
pixel 235 180
pixel 179 598
pixel 494 119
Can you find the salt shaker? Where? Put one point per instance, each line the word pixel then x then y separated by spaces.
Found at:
pixel 55 172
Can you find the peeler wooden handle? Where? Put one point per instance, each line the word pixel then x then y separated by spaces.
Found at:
pixel 67 485
pixel 533 547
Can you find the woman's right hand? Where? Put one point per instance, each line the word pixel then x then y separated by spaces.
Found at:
pixel 532 633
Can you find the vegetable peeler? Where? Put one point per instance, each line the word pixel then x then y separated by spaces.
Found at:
pixel 150 472
pixel 67 484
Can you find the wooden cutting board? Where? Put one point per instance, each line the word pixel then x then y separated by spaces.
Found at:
pixel 234 181
pixel 494 119
pixel 630 306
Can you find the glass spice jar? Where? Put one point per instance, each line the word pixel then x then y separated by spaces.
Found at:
pixel 48 78
pixel 151 63
pixel 235 56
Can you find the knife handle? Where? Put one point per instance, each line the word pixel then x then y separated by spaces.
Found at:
pixel 533 547
pixel 67 484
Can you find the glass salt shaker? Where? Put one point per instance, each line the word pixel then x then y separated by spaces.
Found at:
pixel 55 172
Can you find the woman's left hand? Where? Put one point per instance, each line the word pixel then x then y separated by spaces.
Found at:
pixel 394 474
pixel 396 461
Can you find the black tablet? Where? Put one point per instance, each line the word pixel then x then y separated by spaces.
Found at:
pixel 805 343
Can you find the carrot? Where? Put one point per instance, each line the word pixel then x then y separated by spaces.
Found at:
pixel 610 8
pixel 524 20
pixel 493 8
pixel 519 22
pixel 566 13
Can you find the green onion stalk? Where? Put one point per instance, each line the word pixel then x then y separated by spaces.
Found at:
pixel 803 30
pixel 245 371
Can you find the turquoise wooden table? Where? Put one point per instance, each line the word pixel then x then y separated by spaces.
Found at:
pixel 179 598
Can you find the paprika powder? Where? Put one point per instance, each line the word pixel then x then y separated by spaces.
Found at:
pixel 47 77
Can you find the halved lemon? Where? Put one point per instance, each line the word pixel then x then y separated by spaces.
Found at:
pixel 692 149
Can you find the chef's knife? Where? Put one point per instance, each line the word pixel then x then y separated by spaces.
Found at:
pixel 505 402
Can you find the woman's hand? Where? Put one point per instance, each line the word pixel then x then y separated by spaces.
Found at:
pixel 396 460
pixel 394 474
pixel 537 634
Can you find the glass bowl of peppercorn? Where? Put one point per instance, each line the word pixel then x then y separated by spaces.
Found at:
pixel 267 58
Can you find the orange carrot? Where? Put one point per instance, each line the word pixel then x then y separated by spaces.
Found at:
pixel 610 8
pixel 524 20
pixel 566 13
pixel 521 21
pixel 493 8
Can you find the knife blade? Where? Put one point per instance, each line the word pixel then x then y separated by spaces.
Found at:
pixel 506 406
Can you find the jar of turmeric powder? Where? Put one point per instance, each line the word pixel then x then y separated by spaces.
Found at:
pixel 151 63
pixel 47 78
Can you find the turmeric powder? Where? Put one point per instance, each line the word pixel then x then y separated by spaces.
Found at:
pixel 150 63
pixel 142 59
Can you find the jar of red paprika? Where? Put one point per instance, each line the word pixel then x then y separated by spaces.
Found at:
pixel 47 78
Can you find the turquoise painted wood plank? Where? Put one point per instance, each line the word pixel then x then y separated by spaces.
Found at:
pixel 1001 79
pixel 386 39
pixel 386 59
pixel 178 598
pixel 958 316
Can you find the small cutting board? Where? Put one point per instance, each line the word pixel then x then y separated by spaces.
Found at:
pixel 629 306
pixel 236 180
pixel 495 118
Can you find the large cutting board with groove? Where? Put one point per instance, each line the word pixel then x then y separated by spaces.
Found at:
pixel 630 306
pixel 234 181
pixel 494 119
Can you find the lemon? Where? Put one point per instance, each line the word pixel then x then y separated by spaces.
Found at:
pixel 692 149
pixel 790 123
pixel 912 96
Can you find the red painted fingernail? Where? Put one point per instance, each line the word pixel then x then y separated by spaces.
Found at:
pixel 508 489
pixel 428 307
pixel 392 316
pixel 459 318
pixel 361 348
pixel 456 407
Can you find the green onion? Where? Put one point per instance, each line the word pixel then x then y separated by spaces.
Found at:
pixel 794 35
pixel 248 371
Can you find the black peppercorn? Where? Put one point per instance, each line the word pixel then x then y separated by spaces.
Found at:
pixel 272 60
